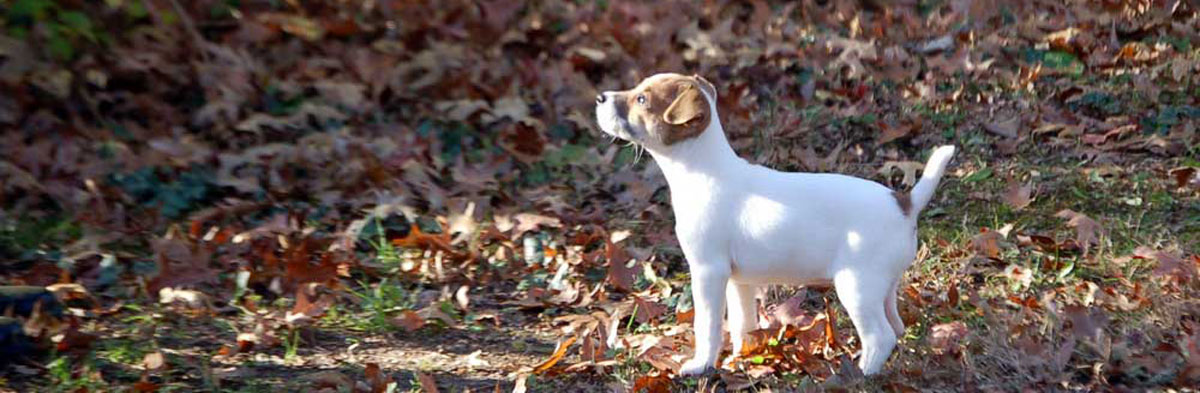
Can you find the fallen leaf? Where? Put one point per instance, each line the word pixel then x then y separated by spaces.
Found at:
pixel 330 379
pixel 987 244
pixel 153 361
pixel 647 310
pixel 1019 275
pixel 1085 322
pixel 1185 176
pixel 1086 229
pixel 1018 195
pixel 559 352
pixel 657 383
pixel 408 320
pixel 375 378
pixel 428 385
pixel 946 338
pixel 1171 264
pixel 620 275
pixel 1006 128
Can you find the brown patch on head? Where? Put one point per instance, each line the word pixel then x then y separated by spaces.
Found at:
pixel 671 107
pixel 904 200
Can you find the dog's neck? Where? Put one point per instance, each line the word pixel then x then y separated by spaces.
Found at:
pixel 702 159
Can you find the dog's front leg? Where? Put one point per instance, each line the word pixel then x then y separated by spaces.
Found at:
pixel 743 313
pixel 708 296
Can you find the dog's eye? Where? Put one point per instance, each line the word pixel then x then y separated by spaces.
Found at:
pixel 641 98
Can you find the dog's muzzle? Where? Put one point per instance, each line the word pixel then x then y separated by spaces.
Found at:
pixel 601 98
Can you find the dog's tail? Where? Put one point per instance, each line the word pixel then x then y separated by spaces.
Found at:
pixel 934 169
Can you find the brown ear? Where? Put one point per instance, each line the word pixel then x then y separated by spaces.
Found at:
pixel 689 105
pixel 706 85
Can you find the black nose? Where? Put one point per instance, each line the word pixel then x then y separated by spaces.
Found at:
pixel 600 98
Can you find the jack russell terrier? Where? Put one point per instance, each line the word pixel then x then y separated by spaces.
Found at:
pixel 742 225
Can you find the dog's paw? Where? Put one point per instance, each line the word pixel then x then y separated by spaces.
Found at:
pixel 694 367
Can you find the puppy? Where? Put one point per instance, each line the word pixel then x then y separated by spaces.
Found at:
pixel 742 226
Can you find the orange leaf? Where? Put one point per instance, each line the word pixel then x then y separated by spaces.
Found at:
pixel 558 355
pixel 428 385
pixel 375 378
pixel 830 334
pixel 408 320
pixel 652 383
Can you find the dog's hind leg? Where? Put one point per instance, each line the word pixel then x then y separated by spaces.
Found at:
pixel 864 296
pixel 743 313
pixel 893 314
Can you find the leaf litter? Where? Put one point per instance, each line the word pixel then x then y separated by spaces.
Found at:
pixel 336 198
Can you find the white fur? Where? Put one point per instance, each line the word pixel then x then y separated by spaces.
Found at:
pixel 743 225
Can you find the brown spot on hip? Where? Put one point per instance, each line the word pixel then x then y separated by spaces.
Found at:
pixel 905 202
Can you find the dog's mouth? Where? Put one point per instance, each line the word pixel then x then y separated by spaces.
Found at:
pixel 614 122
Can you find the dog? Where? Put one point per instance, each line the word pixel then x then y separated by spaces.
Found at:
pixel 742 226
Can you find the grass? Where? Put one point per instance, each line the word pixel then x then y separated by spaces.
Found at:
pixel 377 303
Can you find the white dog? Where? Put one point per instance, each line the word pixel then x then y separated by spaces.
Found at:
pixel 742 225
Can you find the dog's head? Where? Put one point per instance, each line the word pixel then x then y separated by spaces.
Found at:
pixel 663 110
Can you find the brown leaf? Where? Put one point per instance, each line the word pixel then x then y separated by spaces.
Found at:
pixel 375 378
pixel 328 379
pixel 945 338
pixel 428 385
pixel 408 320
pixel 73 339
pixel 427 241
pixel 145 386
pixel 890 133
pixel 180 263
pixel 1018 195
pixel 619 275
pixel 557 356
pixel 432 311
pixel 658 383
pixel 647 310
pixel 1005 128
pixel 530 222
pixel 1086 229
pixel 305 309
pixel 987 244
pixel 1185 176
pixel 1171 264
pixel 1086 322
pixel 153 361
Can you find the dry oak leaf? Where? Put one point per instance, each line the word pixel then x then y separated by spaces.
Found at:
pixel 408 320
pixel 1086 229
pixel 945 338
pixel 1005 128
pixel 329 379
pixel 1170 263
pixel 987 243
pixel 659 383
pixel 1018 195
pixel 619 275
pixel 428 385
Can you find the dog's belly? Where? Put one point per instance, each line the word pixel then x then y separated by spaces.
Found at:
pixel 785 263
